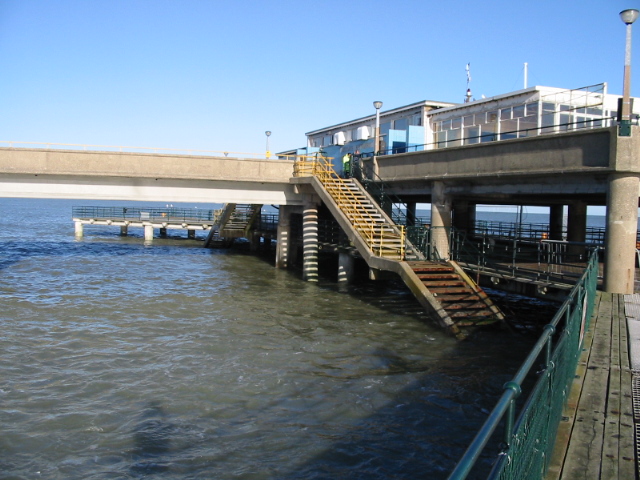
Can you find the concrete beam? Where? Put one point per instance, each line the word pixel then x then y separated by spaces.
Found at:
pixel 147 189
pixel 141 165
pixel 575 152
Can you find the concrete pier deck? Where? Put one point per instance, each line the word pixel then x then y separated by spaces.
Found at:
pixel 597 436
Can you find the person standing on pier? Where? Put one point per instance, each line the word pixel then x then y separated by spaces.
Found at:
pixel 346 165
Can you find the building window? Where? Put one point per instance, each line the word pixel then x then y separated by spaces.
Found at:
pixel 472 135
pixel 384 128
pixel 518 111
pixel 489 132
pixel 401 124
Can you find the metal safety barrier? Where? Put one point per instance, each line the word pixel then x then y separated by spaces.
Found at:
pixel 529 435
pixel 144 213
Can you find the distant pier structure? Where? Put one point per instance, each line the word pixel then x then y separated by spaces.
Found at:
pixel 190 219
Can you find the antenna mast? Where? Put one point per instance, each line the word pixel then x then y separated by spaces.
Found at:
pixel 467 97
pixel 526 74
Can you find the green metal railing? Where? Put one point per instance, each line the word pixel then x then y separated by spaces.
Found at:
pixel 543 260
pixel 529 440
pixel 144 213
pixel 533 231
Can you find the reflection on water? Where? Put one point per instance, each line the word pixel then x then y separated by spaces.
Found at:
pixel 121 360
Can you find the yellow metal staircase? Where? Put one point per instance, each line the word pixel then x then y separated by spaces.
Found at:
pixel 383 238
pixel 442 288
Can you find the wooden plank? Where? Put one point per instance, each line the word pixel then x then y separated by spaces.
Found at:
pixel 611 443
pixel 601 348
pixel 584 454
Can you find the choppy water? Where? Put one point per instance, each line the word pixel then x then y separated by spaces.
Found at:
pixel 120 360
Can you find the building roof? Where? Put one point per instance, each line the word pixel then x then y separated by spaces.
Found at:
pixel 423 103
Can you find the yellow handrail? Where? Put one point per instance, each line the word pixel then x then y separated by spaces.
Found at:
pixel 376 234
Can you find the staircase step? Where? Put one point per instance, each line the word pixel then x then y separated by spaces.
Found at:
pixel 463 306
pixel 470 313
pixel 438 276
pixel 438 269
pixel 450 290
pixel 446 283
pixel 446 298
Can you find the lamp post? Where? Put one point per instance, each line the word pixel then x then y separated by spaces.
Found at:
pixel 268 134
pixel 628 17
pixel 376 147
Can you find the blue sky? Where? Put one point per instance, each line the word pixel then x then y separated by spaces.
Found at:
pixel 214 75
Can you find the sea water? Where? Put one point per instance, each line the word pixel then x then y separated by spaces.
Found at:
pixel 120 359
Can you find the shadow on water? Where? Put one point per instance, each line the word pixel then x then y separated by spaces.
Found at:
pixel 437 414
pixel 152 441
pixel 423 431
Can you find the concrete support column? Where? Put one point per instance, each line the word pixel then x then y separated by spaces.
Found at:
pixel 191 234
pixel 283 248
pixel 124 230
pixel 79 229
pixel 556 221
pixel 463 216
pixel 254 244
pixel 310 242
pixel 346 267
pixel 411 214
pixel 622 225
pixel 577 222
pixel 148 233
pixel 577 231
pixel 440 220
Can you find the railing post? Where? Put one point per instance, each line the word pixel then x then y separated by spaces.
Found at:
pixel 551 329
pixel 511 413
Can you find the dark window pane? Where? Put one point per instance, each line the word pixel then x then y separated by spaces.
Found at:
pixel 518 112
pixel 401 124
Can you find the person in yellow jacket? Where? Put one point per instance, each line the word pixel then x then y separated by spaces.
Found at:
pixel 346 165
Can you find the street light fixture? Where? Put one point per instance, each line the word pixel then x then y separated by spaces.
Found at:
pixel 268 134
pixel 628 17
pixel 378 106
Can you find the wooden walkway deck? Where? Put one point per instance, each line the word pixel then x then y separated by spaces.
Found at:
pixel 596 439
